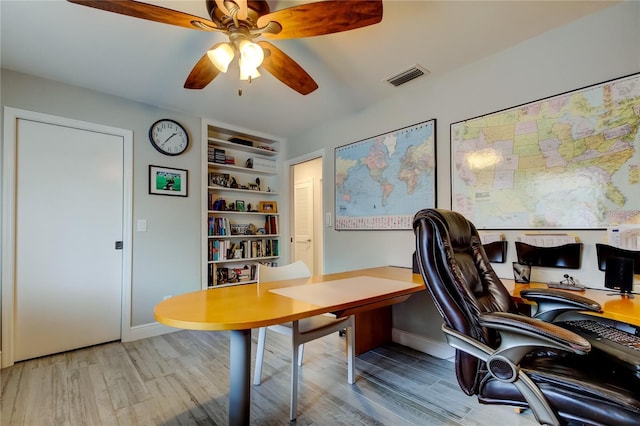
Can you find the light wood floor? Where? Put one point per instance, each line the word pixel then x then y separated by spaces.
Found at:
pixel 182 378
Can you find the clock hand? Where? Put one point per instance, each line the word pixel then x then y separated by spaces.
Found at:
pixel 163 143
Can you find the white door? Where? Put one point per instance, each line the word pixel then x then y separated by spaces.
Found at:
pixel 303 222
pixel 69 215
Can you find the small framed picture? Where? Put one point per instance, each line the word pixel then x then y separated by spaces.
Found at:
pixel 240 206
pixel 268 207
pixel 219 179
pixel 167 181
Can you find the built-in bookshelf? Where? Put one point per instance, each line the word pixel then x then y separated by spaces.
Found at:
pixel 241 219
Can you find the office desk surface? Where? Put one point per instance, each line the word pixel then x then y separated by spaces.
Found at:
pixel 243 307
pixel 614 306
pixel 254 305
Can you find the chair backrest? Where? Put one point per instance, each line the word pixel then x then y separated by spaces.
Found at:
pixel 291 271
pixel 461 282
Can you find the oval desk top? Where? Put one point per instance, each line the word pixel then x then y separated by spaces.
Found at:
pixel 248 306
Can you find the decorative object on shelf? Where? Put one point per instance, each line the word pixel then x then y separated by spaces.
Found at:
pixel 219 179
pixel 249 163
pixel 233 183
pixel 382 181
pixel 240 206
pixel 169 137
pixel 268 207
pixel 220 204
pixel 254 186
pixel 263 164
pixel 240 141
pixel 239 228
pixel 167 181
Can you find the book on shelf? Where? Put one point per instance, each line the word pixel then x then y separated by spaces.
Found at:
pixel 271 224
pixel 217 155
pixel 219 226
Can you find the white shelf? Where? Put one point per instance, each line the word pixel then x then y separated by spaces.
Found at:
pixel 218 137
pixel 232 284
pixel 245 259
pixel 243 148
pixel 233 212
pixel 244 237
pixel 246 191
pixel 239 169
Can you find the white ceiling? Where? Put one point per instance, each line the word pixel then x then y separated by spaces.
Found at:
pixel 149 62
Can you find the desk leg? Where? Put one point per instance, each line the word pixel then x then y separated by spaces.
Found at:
pixel 239 377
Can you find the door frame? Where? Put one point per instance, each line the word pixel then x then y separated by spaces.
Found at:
pixel 288 177
pixel 11 117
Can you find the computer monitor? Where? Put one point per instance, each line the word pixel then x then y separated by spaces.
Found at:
pixel 618 265
pixel 605 251
pixel 619 274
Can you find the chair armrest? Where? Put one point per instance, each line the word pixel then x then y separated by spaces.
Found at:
pixel 520 335
pixel 552 303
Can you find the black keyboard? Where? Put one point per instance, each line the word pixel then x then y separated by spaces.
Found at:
pixel 619 344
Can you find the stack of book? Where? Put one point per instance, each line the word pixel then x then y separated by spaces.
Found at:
pixel 216 155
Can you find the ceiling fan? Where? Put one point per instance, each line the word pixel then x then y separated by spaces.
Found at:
pixel 245 20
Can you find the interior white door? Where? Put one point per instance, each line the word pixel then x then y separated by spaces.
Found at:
pixel 303 222
pixel 69 215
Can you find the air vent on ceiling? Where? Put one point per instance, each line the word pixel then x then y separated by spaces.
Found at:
pixel 408 75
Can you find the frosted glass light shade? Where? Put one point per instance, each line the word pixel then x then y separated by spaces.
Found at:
pixel 247 71
pixel 221 56
pixel 251 54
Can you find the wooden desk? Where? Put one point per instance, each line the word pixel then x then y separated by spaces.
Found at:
pixel 243 307
pixel 615 307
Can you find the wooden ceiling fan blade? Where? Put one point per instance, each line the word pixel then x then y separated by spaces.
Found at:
pixel 202 73
pixel 150 12
pixel 325 17
pixel 286 69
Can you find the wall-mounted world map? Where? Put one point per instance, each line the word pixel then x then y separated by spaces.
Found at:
pixel 383 181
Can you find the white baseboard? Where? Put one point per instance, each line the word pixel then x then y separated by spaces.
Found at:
pixel 146 330
pixel 420 343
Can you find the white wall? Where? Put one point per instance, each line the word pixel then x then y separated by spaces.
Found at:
pixel 166 258
pixel 597 48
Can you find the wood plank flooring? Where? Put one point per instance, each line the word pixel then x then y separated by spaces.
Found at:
pixel 182 378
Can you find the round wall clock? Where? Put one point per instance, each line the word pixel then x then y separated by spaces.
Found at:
pixel 169 137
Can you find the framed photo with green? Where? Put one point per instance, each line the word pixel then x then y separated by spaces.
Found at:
pixel 168 181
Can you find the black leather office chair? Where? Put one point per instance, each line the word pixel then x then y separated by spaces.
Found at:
pixel 511 359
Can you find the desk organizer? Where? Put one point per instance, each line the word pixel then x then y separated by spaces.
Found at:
pixel 564 256
pixel 605 251
pixel 496 251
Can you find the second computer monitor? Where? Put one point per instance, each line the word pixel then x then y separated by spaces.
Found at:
pixel 619 274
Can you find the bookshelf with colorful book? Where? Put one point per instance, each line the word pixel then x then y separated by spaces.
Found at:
pixel 240 201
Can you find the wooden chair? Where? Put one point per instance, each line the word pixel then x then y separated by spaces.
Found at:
pixel 301 331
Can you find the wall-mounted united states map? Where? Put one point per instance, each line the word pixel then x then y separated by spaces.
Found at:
pixel 381 182
pixel 570 161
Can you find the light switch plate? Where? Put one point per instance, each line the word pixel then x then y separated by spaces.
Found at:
pixel 141 225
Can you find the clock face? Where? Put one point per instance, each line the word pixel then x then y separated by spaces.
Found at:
pixel 169 137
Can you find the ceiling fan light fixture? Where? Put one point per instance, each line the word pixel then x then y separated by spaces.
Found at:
pixel 251 54
pixel 221 56
pixel 247 71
